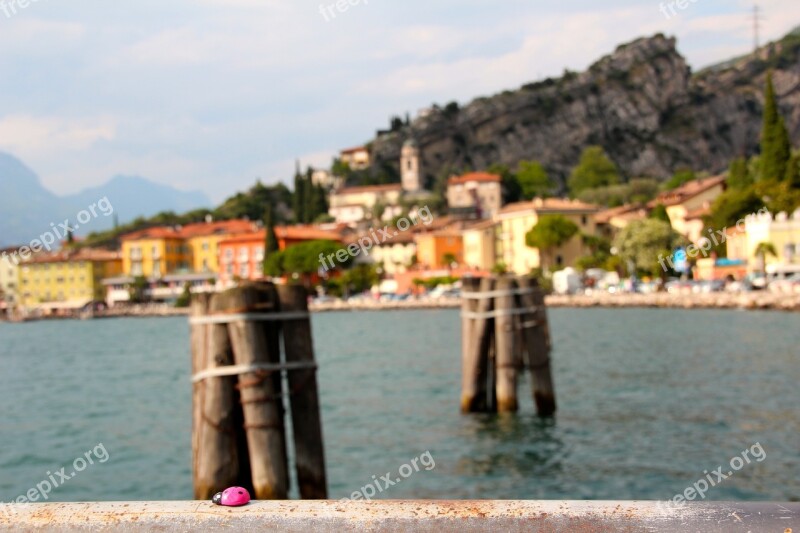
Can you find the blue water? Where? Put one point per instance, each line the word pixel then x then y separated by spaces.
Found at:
pixel 648 400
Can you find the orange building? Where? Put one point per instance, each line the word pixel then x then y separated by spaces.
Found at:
pixel 438 248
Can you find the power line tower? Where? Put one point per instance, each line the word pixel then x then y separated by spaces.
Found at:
pixel 757 18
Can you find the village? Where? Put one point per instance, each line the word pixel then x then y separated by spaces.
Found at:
pixel 419 254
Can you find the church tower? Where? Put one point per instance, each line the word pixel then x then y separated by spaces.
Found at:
pixel 410 171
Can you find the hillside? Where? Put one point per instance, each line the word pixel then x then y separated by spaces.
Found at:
pixel 642 103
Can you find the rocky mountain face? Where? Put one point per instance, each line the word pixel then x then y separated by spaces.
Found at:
pixel 642 104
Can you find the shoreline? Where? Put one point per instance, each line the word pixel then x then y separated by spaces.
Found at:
pixel 724 301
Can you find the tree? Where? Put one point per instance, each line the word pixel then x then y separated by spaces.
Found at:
pixel 793 171
pixel 645 242
pixel 659 212
pixel 449 258
pixel 739 176
pixel 679 178
pixel 733 205
pixel 138 290
pixel 186 296
pixel 594 170
pixel 763 250
pixel 534 181
pixel 270 239
pixel 299 199
pixel 550 232
pixel 775 145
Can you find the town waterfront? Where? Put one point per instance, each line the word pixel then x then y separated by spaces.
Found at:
pixel 649 399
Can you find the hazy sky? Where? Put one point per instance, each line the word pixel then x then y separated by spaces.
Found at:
pixel 212 94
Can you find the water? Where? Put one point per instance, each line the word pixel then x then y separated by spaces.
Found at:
pixel 648 401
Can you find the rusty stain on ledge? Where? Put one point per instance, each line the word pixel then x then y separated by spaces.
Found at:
pixel 401 516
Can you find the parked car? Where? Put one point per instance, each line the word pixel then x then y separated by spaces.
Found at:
pixel 786 286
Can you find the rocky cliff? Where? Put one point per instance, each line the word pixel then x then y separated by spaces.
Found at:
pixel 642 103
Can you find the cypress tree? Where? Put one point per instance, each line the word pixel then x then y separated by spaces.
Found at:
pixel 793 172
pixel 270 240
pixel 738 174
pixel 298 201
pixel 775 146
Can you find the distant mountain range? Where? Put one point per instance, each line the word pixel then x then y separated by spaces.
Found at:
pixel 27 208
pixel 642 103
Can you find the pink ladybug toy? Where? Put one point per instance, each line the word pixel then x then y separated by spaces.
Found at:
pixel 232 497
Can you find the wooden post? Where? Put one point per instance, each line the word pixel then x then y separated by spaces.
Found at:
pixel 469 368
pixel 537 347
pixel 475 370
pixel 506 362
pixel 216 437
pixel 304 399
pixel 261 399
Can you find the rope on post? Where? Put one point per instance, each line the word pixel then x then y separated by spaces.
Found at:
pixel 248 317
pixel 499 312
pixel 224 371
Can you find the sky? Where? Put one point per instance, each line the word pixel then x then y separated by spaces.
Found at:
pixel 211 95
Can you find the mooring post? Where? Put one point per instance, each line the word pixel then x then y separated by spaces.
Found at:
pixel 506 358
pixel 475 371
pixel 261 399
pixel 217 434
pixel 537 345
pixel 303 395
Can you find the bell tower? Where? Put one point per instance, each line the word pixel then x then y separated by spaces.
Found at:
pixel 410 171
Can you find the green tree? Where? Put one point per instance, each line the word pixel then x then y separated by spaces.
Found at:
pixel 138 290
pixel 550 232
pixel 270 239
pixel 534 181
pixel 739 176
pixel 775 145
pixel 512 190
pixel 793 171
pixel 186 296
pixel 659 212
pixel 645 242
pixel 679 178
pixel 763 249
pixel 594 170
pixel 733 205
pixel 299 199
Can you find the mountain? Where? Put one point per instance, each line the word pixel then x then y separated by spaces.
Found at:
pixel 27 208
pixel 134 196
pixel 642 104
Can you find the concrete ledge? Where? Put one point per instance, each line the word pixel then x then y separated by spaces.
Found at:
pixel 401 516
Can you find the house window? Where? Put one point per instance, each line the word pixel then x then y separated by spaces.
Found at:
pixel 559 260
pixel 244 271
pixel 259 254
pixel 244 254
pixel 584 220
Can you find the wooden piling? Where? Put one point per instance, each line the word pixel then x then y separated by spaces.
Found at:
pixel 475 371
pixel 261 399
pixel 304 399
pixel 536 331
pixel 506 358
pixel 216 436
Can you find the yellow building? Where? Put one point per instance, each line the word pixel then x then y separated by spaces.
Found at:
pixel 69 278
pixel 516 220
pixel 782 231
pixel 480 242
pixel 9 276
pixel 154 252
pixel 158 252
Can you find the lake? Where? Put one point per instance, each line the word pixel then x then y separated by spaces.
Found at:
pixel 648 401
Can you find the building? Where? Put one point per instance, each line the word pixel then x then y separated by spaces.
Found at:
pixel 9 279
pixel 325 179
pixel 516 220
pixel 191 249
pixel 475 195
pixel 480 242
pixel 352 205
pixel 154 252
pixel 411 167
pixel 395 255
pixel 610 221
pixel 684 203
pixel 782 231
pixel 203 242
pixel 440 249
pixel 242 256
pixel 356 158
pixel 67 279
